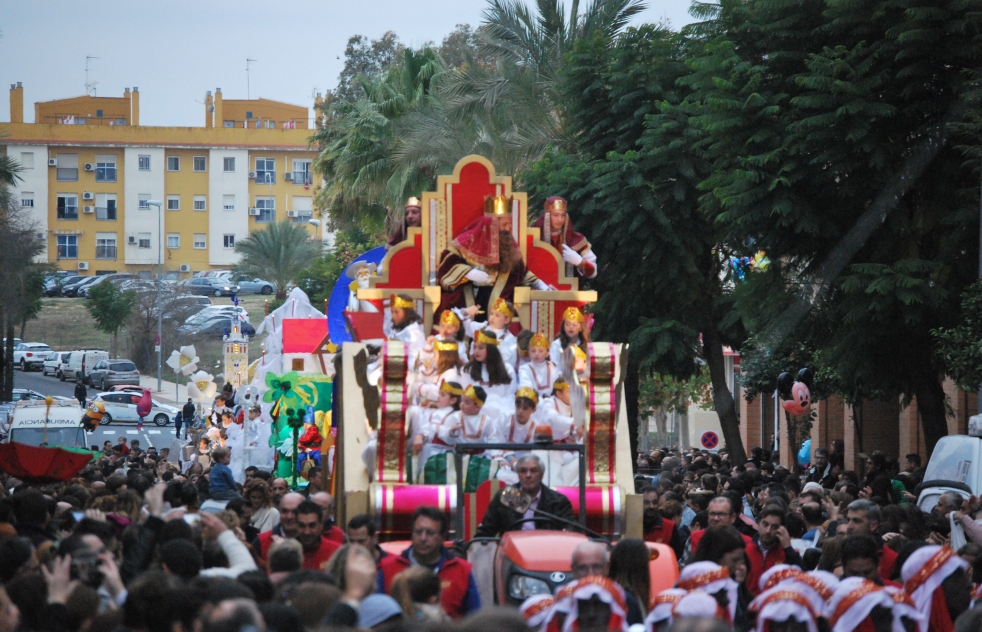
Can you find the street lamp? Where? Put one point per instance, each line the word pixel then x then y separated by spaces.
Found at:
pixel 315 222
pixel 160 276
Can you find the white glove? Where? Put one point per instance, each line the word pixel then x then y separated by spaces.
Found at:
pixel 571 257
pixel 540 285
pixel 477 276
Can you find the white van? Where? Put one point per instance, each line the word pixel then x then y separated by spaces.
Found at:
pixel 954 467
pixel 62 426
pixel 80 363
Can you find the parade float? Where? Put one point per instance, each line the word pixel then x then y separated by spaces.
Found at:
pixel 351 381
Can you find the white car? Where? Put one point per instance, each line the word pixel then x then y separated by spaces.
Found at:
pixel 121 406
pixel 53 361
pixel 30 355
pixel 212 312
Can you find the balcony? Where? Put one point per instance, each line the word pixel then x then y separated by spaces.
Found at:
pixel 66 174
pixel 106 213
pixel 105 252
pixel 302 177
pixel 68 212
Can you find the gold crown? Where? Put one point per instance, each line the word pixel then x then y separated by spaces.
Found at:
pixel 574 314
pixel 539 341
pixel 528 393
pixel 501 306
pixel 556 203
pixel 401 303
pixel 449 318
pixel 485 339
pixel 497 205
pixel 449 388
pixel 470 393
pixel 441 345
pixel 560 385
pixel 413 201
pixel 578 352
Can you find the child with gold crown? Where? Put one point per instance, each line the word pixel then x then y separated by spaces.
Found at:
pixel 539 372
pixel 573 331
pixel 424 427
pixel 499 320
pixel 472 424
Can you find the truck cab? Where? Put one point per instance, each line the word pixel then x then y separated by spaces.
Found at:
pixel 953 467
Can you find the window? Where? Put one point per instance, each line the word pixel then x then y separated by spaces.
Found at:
pixel 267 209
pixel 173 240
pixel 67 167
pixel 173 202
pixel 229 241
pixel 105 168
pixel 68 246
pixel 229 164
pixel 27 199
pixel 199 163
pixel 200 241
pixel 120 121
pixel 98 113
pixel 303 207
pixel 144 199
pixel 301 172
pixel 143 240
pixel 200 202
pixel 105 245
pixel 105 206
pixel 228 124
pixel 265 170
pixel 173 163
pixel 228 202
pixel 27 159
pixel 296 364
pixel 143 162
pixel 67 206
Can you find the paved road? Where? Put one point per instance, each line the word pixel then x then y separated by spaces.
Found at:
pixel 151 435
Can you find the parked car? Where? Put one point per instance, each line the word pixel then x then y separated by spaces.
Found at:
pixel 211 286
pixel 122 407
pixel 126 388
pixel 108 373
pixel 30 355
pixel 212 311
pixel 79 362
pixel 105 278
pixel 54 283
pixel 253 286
pixel 70 288
pixel 218 326
pixel 17 341
pixel 54 361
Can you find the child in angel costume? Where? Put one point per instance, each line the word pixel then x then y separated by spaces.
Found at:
pixel 539 373
pixel 555 412
pixel 405 325
pixel 519 428
pixel 498 323
pixel 424 427
pixel 487 370
pixel 472 424
pixel 572 332
pixel 441 364
pixel 447 330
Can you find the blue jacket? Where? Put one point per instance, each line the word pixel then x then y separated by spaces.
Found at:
pixel 221 480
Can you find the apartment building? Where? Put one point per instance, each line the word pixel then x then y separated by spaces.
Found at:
pixel 91 169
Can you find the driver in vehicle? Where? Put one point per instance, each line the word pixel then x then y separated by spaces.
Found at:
pixel 500 518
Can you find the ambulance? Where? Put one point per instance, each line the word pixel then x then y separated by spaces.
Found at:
pixel 34 422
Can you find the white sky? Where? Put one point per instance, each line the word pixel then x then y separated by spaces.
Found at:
pixel 176 50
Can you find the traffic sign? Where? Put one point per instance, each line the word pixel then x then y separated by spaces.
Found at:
pixel 709 440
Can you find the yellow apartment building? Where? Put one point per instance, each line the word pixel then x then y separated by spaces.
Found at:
pixel 91 169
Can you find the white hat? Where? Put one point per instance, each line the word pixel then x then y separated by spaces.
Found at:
pixel 696 604
pixel 782 602
pixel 853 601
pixel 903 606
pixel 352 270
pixel 537 610
pixel 813 485
pixel 661 607
pixel 925 570
pixel 711 578
pixel 777 574
pixel 607 590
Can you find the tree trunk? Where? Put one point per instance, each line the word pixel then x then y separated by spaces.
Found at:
pixel 8 364
pixel 632 391
pixel 931 406
pixel 23 329
pixel 712 344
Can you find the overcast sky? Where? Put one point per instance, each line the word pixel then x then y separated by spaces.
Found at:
pixel 176 50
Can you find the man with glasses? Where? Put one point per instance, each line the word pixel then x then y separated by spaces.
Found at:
pixel 721 514
pixel 459 594
pixel 499 518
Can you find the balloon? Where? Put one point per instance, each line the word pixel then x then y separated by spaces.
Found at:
pixel 805 376
pixel 145 404
pixel 94 413
pixel 784 383
pixel 800 402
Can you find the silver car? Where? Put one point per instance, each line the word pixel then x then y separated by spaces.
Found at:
pixel 254 286
pixel 211 286
pixel 108 373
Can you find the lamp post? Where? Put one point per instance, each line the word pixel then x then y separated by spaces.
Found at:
pixel 160 276
pixel 316 222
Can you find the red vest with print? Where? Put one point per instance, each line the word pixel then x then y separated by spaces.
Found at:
pixel 455 576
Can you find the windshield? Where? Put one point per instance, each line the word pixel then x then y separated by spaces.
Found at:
pixel 122 366
pixel 73 437
pixel 953 460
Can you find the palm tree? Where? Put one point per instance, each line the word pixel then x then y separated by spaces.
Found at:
pixel 279 253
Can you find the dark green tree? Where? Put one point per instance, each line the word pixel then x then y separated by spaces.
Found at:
pixel 364 59
pixel 279 253
pixel 110 308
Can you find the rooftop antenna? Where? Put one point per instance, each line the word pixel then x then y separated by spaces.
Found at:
pixel 248 61
pixel 89 86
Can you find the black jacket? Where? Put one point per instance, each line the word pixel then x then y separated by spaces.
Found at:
pixel 188 412
pixel 499 518
pixel 80 391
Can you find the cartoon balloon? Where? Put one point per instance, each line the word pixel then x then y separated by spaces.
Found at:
pixel 784 384
pixel 805 377
pixel 800 402
pixel 94 413
pixel 144 405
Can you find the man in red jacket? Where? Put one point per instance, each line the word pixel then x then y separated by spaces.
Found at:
pixel 458 594
pixel 863 517
pixel 317 549
pixel 656 527
pixel 287 527
pixel 771 547
pixel 722 513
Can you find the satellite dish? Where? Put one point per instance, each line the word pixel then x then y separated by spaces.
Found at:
pixel 516 499
pixel 211 108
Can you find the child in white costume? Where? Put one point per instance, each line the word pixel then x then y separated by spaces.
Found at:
pixel 424 428
pixel 405 325
pixel 472 424
pixel 487 370
pixel 519 428
pixel 572 332
pixel 556 412
pixel 539 373
pixel 499 321
pixel 439 365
